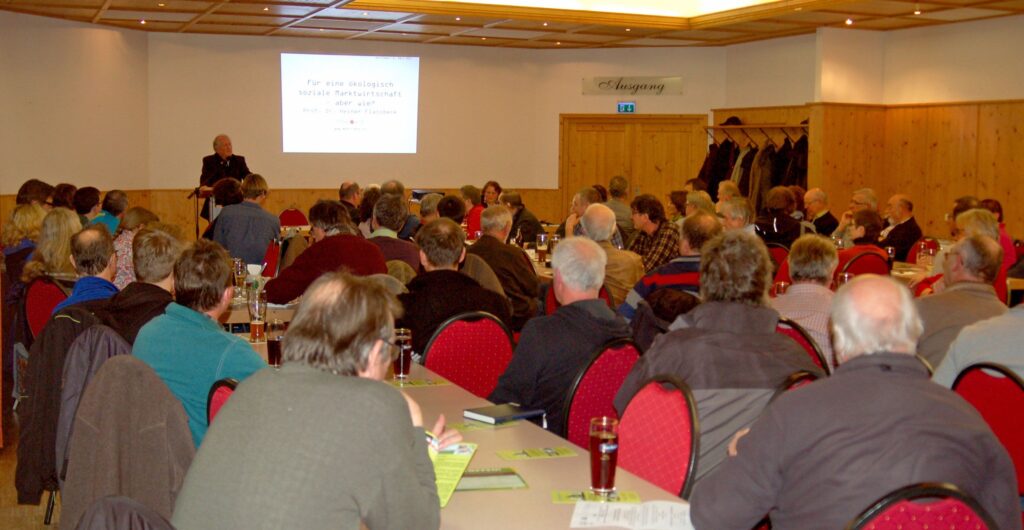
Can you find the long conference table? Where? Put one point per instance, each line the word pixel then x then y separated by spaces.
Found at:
pixel 514 509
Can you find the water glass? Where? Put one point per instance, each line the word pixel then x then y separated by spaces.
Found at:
pixel 402 362
pixel 257 315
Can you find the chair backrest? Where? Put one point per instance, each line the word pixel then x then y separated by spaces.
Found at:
pixel 551 303
pixel 400 270
pixel 779 254
pixel 929 242
pixel 121 513
pixel 41 297
pixel 794 380
pixel 271 259
pixel 998 394
pixel 293 217
pixel 471 350
pixel 867 263
pixel 799 334
pixel 594 388
pixel 220 392
pixel 948 507
pixel 659 435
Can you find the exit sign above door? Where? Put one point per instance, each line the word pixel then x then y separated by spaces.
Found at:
pixel 627 107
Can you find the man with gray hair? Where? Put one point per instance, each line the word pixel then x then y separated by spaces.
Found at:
pixel 877 425
pixel 726 349
pixel 554 348
pixel 738 215
pixel 862 199
pixel 903 231
pixel 618 195
pixel 624 268
pixel 812 262
pixel 969 268
pixel 428 208
pixel 412 222
pixel 389 216
pixel 509 263
pixel 583 199
pixel 816 206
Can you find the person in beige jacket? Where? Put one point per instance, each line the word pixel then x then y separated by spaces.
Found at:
pixel 624 268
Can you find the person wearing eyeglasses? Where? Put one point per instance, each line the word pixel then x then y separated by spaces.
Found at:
pixel 862 199
pixel 816 206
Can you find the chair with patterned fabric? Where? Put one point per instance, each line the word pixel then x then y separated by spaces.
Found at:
pixel 659 435
pixel 43 294
pixel 779 253
pixel 272 259
pixel 867 263
pixel 796 332
pixel 594 388
pixel 220 392
pixel 551 303
pixel 998 394
pixel 944 506
pixel 471 350
pixel 293 217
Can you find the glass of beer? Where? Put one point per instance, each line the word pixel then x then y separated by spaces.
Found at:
pixel 781 288
pixel 238 270
pixel 275 333
pixel 604 454
pixel 403 341
pixel 891 252
pixel 542 247
pixel 553 243
pixel 257 315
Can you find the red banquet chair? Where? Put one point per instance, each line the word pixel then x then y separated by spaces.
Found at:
pixel 471 350
pixel 594 388
pixel 42 296
pixel 929 243
pixel 272 259
pixel 293 217
pixel 998 394
pixel 659 435
pixel 779 254
pixel 867 263
pixel 793 381
pixel 551 302
pixel 796 332
pixel 220 392
pixel 946 507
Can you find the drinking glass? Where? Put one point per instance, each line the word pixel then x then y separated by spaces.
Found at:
pixel 604 454
pixel 238 270
pixel 844 278
pixel 275 334
pixel 401 364
pixel 781 288
pixel 542 247
pixel 257 315
pixel 553 243
pixel 891 251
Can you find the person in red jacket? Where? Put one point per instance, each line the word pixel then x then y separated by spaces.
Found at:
pixel 474 207
pixel 335 246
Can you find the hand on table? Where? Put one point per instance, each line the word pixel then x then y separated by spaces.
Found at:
pixel 445 437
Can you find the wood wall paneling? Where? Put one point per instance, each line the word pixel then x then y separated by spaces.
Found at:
pixel 849 146
pixel 1001 160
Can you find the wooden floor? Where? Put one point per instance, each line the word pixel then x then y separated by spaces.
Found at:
pixel 12 515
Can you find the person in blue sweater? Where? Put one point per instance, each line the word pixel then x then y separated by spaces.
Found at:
pixel 94 259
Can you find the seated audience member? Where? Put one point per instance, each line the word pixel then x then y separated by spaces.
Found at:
pixel 860 200
pixel 580 202
pixel 370 197
pixel 816 207
pixel 52 256
pixel 676 208
pixel 87 204
pixel 694 184
pixel 510 264
pixel 657 239
pixel 442 292
pixel 554 348
pixel 154 253
pixel 902 230
pixel 966 223
pixel 474 209
pixel 19 240
pixel 697 201
pixel 35 191
pixel 680 274
pixel 491 194
pixel 412 222
pixel 134 220
pixel 969 267
pixel 246 229
pixel 994 340
pixel 624 268
pixel 64 195
pixel 95 262
pixel 820 455
pixel 812 264
pixel 454 208
pixel 602 191
pixel 618 192
pixel 186 345
pixel 777 226
pixel 428 208
pixel 115 203
pixel 525 225
pixel 726 349
pixel 226 192
pixel 798 205
pixel 331 445
pixel 350 194
pixel 727 191
pixel 335 246
pixel 960 205
pixel 737 214
pixel 863 231
pixel 389 216
pixel 1005 241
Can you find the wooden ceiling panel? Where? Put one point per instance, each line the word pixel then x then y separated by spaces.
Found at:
pixel 246 20
pixel 459 20
pixel 1016 5
pixel 429 29
pixel 148 16
pixel 270 9
pixel 73 13
pixel 343 24
pixel 758 27
pixel 167 5
pixel 360 14
pixel 962 14
pixel 29 4
pixel 537 25
pixel 148 26
pixel 394 37
pixel 295 31
pixel 818 18
pixel 706 35
pixel 893 23
pixel 505 33
pixel 227 29
pixel 474 41
pixel 880 8
pixel 659 42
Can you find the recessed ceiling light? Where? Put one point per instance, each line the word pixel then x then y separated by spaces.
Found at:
pixel 917 9
pixel 483 38
pixel 365 14
pixel 849 22
pixel 798 9
pixel 161 4
pixel 143 22
pixel 627 29
pixel 321 29
pixel 558 43
pixel 458 18
pixel 266 9
pixel 545 24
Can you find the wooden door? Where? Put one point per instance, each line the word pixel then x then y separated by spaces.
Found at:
pixel 656 153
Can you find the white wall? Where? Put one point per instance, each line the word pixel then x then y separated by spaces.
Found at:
pixel 971 61
pixel 484 113
pixel 769 73
pixel 849 66
pixel 72 103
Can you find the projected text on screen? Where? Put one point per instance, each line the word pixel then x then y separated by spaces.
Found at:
pixel 349 104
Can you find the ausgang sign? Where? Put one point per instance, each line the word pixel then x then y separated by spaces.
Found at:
pixel 633 86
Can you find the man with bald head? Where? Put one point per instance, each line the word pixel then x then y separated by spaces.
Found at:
pixel 969 268
pixel 843 441
pixel 816 204
pixel 903 231
pixel 94 259
pixel 624 268
pixel 222 164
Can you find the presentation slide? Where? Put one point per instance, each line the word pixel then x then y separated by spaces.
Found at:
pixel 348 103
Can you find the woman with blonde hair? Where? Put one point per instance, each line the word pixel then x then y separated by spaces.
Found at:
pixel 19 242
pixel 135 219
pixel 53 248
